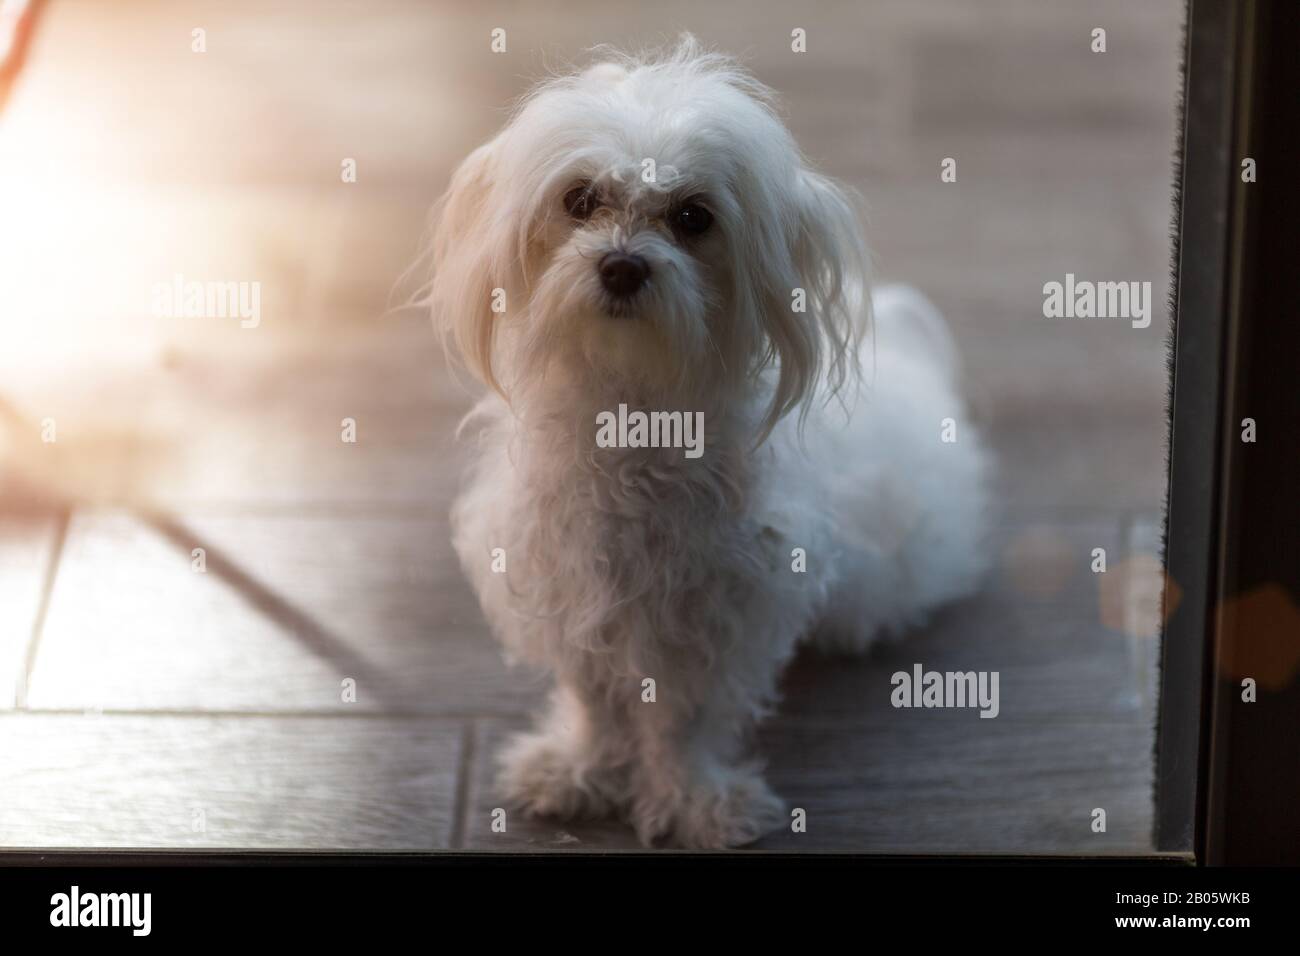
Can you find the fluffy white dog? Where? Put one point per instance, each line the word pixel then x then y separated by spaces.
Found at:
pixel 647 234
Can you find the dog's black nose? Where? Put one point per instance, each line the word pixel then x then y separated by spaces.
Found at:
pixel 622 274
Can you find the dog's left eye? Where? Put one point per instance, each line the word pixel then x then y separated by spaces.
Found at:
pixel 581 201
pixel 692 218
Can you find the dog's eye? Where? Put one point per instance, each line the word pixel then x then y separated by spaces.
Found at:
pixel 580 202
pixel 692 218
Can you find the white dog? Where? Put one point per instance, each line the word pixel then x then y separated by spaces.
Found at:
pixel 646 234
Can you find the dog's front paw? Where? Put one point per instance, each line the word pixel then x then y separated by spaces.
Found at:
pixel 734 809
pixel 542 776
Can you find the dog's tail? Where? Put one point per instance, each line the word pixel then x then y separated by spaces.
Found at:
pixel 906 321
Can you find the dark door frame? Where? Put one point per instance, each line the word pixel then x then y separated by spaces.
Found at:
pixel 1228 769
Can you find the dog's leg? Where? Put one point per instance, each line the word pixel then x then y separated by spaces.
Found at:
pixel 692 786
pixel 569 766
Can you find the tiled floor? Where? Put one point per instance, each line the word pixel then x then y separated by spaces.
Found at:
pixel 144 702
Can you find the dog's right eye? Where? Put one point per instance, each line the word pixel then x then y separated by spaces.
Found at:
pixel 580 202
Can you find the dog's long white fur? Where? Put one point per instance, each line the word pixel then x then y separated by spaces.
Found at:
pixel 624 565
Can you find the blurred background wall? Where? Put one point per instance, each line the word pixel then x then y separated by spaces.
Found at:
pixel 126 159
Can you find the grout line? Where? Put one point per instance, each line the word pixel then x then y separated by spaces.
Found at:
pixel 290 617
pixel 464 774
pixel 42 609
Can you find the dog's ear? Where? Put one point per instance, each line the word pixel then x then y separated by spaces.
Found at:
pixel 471 258
pixel 814 325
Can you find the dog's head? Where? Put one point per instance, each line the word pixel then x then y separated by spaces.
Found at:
pixel 649 224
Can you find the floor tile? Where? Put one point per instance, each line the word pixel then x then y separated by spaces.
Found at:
pixel 949 782
pixel 320 783
pixel 286 611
